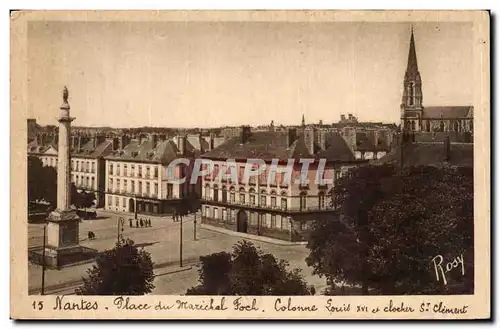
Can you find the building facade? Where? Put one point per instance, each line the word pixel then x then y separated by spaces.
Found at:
pixel 87 160
pixel 137 177
pixel 276 208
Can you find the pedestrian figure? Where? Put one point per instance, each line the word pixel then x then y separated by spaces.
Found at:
pixel 173 217
pixel 149 222
pixel 137 223
pixel 130 221
pixel 141 222
pixel 91 235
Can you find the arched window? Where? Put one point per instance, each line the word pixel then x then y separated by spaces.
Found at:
pixel 303 200
pixel 224 193
pixel 207 191
pixel 216 193
pixel 242 195
pixel 231 194
pixel 263 198
pixel 273 199
pixel 284 200
pixel 252 196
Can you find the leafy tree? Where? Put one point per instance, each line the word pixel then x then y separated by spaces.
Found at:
pixel 213 275
pixel 248 271
pixel 35 190
pixel 391 225
pixel 188 204
pixel 75 196
pixel 42 182
pixel 123 270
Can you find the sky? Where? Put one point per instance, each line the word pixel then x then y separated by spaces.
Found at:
pixel 209 74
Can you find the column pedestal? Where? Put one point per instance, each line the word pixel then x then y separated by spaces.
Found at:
pixel 62 238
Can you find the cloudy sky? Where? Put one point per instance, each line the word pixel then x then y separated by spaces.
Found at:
pixel 204 74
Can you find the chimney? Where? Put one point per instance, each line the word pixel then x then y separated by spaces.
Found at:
pixel 154 140
pixel 79 143
pixel 245 134
pixel 447 148
pixel 291 136
pixel 124 140
pixel 116 143
pixel 94 141
pixel 73 142
pixel 309 139
pixel 181 144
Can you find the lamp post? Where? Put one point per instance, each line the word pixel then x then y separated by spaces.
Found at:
pixel 135 208
pixel 43 258
pixel 121 222
pixel 194 226
pixel 180 241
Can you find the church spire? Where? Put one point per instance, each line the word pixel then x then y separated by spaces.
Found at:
pixel 411 103
pixel 303 120
pixel 412 67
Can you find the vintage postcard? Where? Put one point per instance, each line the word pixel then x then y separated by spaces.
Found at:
pixel 250 165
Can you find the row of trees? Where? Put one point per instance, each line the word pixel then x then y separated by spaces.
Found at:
pixel 128 270
pixel 42 186
pixel 390 226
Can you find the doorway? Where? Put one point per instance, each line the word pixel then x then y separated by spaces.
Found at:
pixel 242 223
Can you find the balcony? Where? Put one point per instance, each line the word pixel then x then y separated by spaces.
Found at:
pixel 270 208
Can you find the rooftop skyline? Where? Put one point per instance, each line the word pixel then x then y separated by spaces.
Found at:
pixel 212 74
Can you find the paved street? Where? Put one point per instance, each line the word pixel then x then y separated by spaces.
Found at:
pixel 162 241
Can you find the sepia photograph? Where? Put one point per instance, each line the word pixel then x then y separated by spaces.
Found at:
pixel 240 162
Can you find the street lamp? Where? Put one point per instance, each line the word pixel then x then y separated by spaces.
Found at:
pixel 43 258
pixel 194 226
pixel 121 223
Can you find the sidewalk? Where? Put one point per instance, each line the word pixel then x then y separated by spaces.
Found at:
pixel 57 282
pixel 131 214
pixel 252 236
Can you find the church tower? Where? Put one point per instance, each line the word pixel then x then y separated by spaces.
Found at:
pixel 411 103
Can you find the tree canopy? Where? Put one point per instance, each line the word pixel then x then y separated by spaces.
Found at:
pixel 81 199
pixel 248 271
pixel 42 182
pixel 123 270
pixel 389 227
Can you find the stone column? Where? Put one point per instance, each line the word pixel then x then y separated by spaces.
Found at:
pixel 63 223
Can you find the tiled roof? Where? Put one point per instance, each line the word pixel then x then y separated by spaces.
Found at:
pixel 336 149
pixel 363 143
pixel 431 154
pixel 33 147
pixel 267 145
pixel 447 112
pixel 198 143
pixel 88 149
pixel 164 153
pixel 263 145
